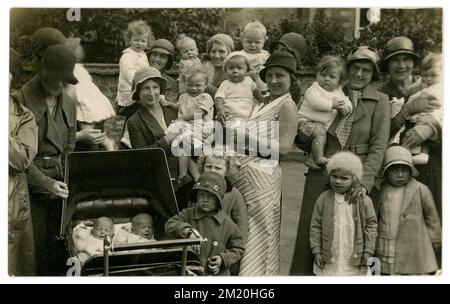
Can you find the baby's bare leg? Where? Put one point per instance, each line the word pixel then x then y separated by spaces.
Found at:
pixel 319 137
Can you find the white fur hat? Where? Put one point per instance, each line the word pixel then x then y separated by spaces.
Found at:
pixel 346 161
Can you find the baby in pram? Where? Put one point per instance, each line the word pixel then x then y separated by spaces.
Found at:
pixel 89 241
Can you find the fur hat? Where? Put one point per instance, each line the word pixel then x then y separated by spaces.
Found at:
pixel 211 182
pixel 60 61
pixel 164 46
pixel 144 74
pixel 396 155
pixel 346 161
pixel 281 59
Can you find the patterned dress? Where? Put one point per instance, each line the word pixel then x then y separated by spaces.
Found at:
pixel 259 181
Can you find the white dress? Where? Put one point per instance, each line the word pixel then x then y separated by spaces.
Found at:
pixel 343 243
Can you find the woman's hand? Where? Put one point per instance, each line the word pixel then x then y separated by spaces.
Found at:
pixel 91 136
pixel 426 104
pixel 318 260
pixel 253 75
pixel 355 193
pixel 60 190
pixel 411 139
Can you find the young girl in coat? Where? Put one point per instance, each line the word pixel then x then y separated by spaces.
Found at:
pixel 343 235
pixel 409 226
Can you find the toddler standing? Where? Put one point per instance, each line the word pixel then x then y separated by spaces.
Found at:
pixel 323 99
pixel 409 226
pixel 342 235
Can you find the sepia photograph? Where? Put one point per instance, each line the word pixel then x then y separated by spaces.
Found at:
pixel 245 142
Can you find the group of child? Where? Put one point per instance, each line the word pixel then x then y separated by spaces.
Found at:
pixel 402 233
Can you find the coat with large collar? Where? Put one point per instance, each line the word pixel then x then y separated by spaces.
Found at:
pixel 419 229
pixel 56 135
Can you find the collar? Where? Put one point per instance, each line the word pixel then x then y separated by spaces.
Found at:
pixel 264 107
pixel 392 90
pixel 219 216
pixel 369 92
pixel 130 50
pixel 35 99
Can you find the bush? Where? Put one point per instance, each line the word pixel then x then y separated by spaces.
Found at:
pixel 101 30
pixel 326 36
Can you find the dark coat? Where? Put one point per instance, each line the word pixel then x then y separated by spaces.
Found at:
pixel 23 143
pixel 56 136
pixel 223 236
pixel 368 140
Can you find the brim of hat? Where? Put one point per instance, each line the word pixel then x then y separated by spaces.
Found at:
pixel 262 73
pixel 166 52
pixel 414 172
pixel 384 61
pixel 134 95
pixel 193 194
pixel 70 78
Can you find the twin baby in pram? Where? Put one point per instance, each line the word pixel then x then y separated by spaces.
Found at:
pixel 88 240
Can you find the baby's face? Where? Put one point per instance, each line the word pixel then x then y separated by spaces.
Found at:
pixel 236 69
pixel 431 76
pixel 195 85
pixel 253 41
pixel 328 80
pixel 138 42
pixel 143 227
pixel 188 50
pixel 102 229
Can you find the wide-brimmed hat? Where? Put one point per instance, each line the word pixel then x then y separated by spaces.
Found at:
pixel 294 42
pixel 395 46
pixel 164 46
pixel 59 61
pixel 281 59
pixel 365 53
pixel 144 74
pixel 211 182
pixel 235 54
pixel 396 155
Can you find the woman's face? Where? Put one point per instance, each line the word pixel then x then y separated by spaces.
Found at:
pixel 158 60
pixel 149 93
pixel 217 54
pixel 218 165
pixel 400 67
pixel 278 81
pixel 360 74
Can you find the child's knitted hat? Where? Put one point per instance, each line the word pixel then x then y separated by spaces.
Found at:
pixel 345 161
pixel 235 54
pixel 211 182
pixel 398 155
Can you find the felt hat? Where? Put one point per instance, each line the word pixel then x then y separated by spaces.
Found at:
pixel 294 42
pixel 395 46
pixel 164 46
pixel 144 74
pixel 45 37
pixel 281 59
pixel 59 61
pixel 365 53
pixel 398 155
pixel 211 182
